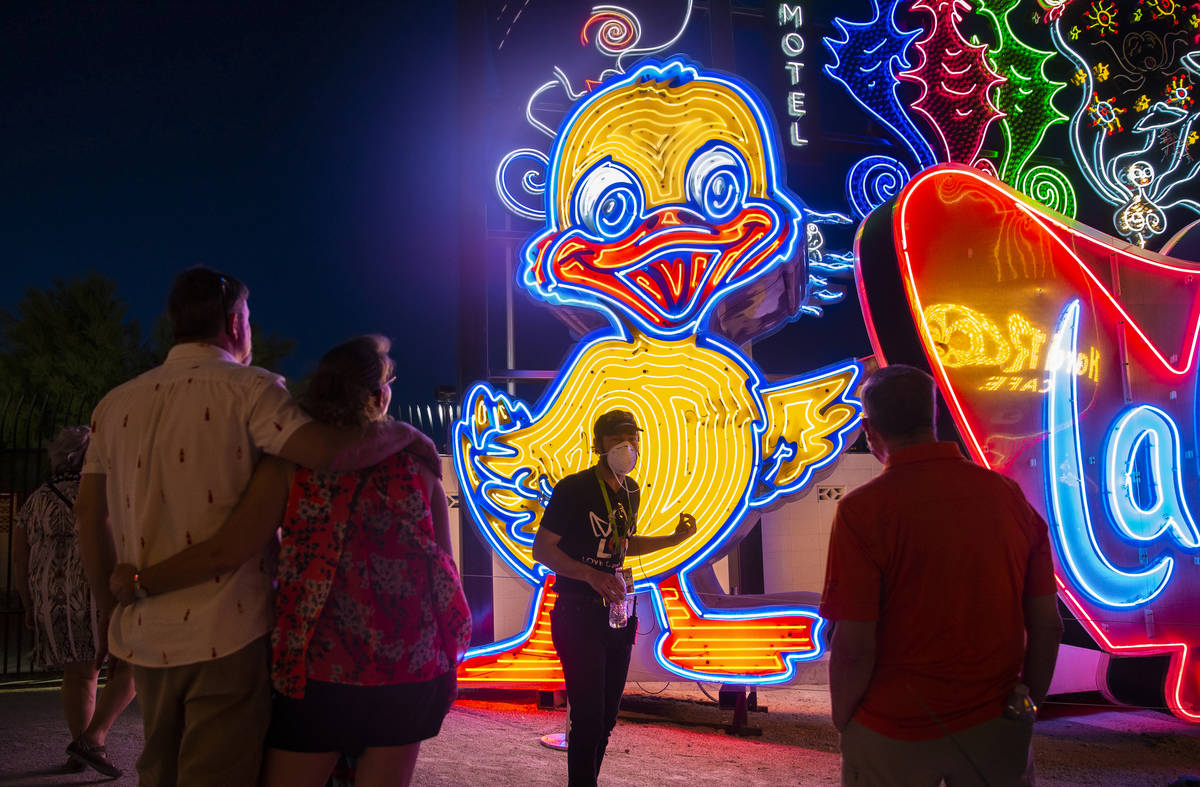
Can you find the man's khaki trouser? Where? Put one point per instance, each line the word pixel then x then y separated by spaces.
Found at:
pixel 205 723
pixel 996 753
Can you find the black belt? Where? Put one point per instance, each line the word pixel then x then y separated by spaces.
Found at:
pixel 582 599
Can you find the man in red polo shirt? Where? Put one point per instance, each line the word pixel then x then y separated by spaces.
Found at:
pixel 941 586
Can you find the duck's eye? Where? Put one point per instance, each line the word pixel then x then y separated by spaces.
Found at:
pixel 717 182
pixel 609 201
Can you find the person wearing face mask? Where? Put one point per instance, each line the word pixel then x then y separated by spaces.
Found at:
pixel 588 529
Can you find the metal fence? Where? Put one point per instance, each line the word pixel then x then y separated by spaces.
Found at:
pixel 433 419
pixel 26 426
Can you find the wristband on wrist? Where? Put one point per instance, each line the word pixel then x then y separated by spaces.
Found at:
pixel 138 590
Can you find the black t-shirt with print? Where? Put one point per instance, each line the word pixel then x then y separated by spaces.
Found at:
pixel 577 512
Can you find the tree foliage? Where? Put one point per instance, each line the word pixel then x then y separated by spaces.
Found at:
pixel 269 349
pixel 70 341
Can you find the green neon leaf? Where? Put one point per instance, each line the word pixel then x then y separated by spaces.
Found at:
pixel 1027 98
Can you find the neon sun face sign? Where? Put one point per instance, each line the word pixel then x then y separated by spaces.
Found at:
pixel 663 195
pixel 1104 441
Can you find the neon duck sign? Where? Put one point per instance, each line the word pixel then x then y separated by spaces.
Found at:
pixel 664 195
pixel 1109 457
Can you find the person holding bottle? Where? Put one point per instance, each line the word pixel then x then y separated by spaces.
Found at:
pixel 588 529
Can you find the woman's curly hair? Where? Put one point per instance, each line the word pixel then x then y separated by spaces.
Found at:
pixel 68 448
pixel 341 391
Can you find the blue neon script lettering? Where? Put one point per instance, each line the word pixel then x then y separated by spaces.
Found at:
pixel 1071 520
pixel 1137 426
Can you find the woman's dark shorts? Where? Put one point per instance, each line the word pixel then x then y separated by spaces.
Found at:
pixel 348 719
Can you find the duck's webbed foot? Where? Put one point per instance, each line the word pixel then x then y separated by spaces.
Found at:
pixel 752 645
pixel 527 659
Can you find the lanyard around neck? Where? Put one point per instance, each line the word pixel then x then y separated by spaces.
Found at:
pixel 608 507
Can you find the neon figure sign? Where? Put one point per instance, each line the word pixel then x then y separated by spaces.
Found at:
pixel 663 195
pixel 1110 458
pixel 1132 132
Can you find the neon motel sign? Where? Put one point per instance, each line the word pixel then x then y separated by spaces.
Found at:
pixel 791 42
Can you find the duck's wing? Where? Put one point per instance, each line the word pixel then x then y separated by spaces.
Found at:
pixel 809 420
pixel 499 483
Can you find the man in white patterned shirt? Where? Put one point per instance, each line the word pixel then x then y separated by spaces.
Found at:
pixel 171 452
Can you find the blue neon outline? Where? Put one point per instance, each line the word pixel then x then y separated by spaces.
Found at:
pixel 866 172
pixel 790 659
pixel 850 54
pixel 838 439
pixel 559 293
pixel 1152 439
pixel 1070 519
pixel 1174 515
pixel 482 512
pixel 477 501
pixel 517 639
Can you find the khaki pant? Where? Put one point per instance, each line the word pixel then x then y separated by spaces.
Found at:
pixel 996 753
pixel 205 723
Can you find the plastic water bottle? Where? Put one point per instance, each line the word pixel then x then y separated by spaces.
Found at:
pixel 618 611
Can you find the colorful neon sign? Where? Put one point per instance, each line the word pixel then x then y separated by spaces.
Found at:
pixel 663 195
pixel 867 60
pixel 1135 153
pixel 956 83
pixel 966 337
pixel 966 88
pixel 1109 457
pixel 1026 103
pixel 720 440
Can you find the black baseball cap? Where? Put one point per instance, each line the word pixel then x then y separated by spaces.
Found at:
pixel 614 422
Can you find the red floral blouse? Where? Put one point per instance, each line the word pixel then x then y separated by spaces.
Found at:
pixel 366 596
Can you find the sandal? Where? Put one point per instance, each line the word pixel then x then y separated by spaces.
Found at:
pixel 93 755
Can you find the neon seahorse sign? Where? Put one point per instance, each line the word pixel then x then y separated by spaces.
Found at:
pixel 663 196
pixel 1101 434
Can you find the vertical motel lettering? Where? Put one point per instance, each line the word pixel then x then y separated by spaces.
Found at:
pixel 791 19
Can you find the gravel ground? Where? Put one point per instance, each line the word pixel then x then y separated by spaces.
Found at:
pixel 667 735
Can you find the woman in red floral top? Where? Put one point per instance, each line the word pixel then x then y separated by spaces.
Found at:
pixel 370 614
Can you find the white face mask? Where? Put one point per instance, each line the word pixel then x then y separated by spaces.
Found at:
pixel 622 458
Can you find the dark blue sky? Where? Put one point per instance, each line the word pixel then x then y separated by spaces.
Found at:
pixel 308 148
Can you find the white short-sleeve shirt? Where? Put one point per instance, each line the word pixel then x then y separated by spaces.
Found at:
pixel 177 446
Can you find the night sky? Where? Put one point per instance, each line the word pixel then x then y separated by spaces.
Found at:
pixel 307 148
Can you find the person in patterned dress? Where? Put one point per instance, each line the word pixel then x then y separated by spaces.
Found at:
pixel 370 613
pixel 172 452
pixel 58 603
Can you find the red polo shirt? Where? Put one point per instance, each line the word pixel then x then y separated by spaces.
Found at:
pixel 940 552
